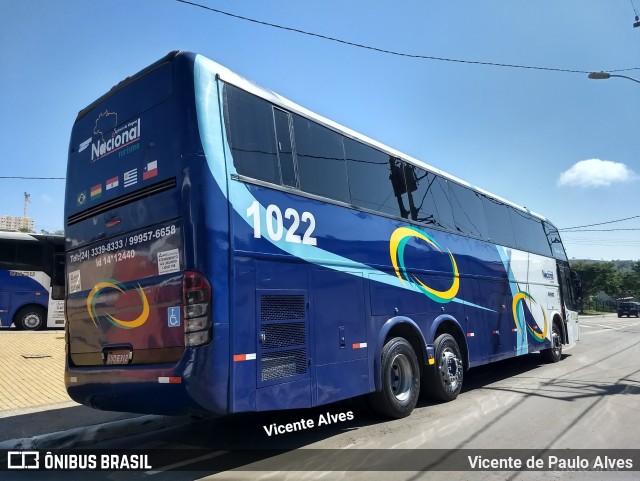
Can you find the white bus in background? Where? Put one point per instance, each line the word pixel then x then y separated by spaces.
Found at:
pixel 31 280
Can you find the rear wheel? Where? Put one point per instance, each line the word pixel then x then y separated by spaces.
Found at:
pixel 444 379
pixel 400 380
pixel 554 354
pixel 30 318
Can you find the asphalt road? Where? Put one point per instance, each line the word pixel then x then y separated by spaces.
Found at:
pixel 589 400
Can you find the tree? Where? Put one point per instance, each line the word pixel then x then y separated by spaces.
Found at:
pixel 598 276
pixel 629 285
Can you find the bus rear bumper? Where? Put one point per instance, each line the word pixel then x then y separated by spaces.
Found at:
pixel 147 389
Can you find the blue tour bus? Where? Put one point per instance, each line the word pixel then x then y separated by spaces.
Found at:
pixel 31 280
pixel 228 250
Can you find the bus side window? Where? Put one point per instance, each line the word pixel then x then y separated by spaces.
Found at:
pixel 320 159
pixel 529 233
pixel 429 198
pixel 371 179
pixel 498 222
pixel 468 212
pixel 251 135
pixel 282 121
pixel 7 254
pixel 29 256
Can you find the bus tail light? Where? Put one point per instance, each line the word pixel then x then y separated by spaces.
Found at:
pixel 197 308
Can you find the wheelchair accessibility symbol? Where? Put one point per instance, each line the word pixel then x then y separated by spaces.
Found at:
pixel 173 316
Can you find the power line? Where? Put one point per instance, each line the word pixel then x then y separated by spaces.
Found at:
pixel 602 230
pixel 565 229
pixel 391 52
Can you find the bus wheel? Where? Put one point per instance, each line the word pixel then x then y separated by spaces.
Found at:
pixel 400 380
pixel 30 318
pixel 554 353
pixel 444 380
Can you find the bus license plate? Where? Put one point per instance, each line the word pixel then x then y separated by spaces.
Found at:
pixel 118 357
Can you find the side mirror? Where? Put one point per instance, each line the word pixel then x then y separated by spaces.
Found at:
pixel 577 284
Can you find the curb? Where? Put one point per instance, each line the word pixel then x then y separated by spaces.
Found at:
pixel 82 436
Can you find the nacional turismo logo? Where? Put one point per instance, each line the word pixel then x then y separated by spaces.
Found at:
pixel 121 137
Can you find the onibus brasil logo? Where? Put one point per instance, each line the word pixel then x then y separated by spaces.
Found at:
pixel 397 244
pixel 112 284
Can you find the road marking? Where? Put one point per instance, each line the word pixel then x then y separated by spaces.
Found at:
pixel 595 332
pixel 617 326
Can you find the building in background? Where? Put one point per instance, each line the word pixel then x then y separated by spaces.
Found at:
pixel 9 222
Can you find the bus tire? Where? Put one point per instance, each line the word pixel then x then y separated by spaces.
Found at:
pixel 444 378
pixel 400 380
pixel 30 318
pixel 554 353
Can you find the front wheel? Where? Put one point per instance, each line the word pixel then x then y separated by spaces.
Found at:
pixel 30 318
pixel 444 379
pixel 400 380
pixel 554 354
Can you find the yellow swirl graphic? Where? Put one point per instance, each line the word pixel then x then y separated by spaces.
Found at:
pixel 111 284
pixel 397 242
pixel 521 322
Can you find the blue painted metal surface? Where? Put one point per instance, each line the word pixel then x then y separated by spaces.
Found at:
pixel 358 281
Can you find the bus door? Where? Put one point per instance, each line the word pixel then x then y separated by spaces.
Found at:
pixel 569 302
pixel 282 337
pixel 340 337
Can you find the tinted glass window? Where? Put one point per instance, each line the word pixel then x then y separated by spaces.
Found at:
pixel 553 236
pixel 320 156
pixel 498 222
pixel 251 135
pixel 285 151
pixel 7 254
pixel 468 212
pixel 29 255
pixel 529 233
pixel 429 198
pixel 371 176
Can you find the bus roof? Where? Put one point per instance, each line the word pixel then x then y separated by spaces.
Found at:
pixel 237 80
pixel 233 78
pixel 23 236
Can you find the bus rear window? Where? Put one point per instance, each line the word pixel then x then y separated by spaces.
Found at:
pixel 123 142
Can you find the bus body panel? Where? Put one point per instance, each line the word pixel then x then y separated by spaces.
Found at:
pixel 305 291
pixel 130 243
pixel 18 289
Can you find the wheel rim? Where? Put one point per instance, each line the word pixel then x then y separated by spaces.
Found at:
pixel 555 340
pixel 401 376
pixel 31 321
pixel 450 370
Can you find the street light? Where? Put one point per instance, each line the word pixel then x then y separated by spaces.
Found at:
pixel 605 75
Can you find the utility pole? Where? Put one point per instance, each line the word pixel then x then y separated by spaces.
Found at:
pixel 24 215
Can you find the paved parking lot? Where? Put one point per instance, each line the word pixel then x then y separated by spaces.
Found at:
pixel 31 371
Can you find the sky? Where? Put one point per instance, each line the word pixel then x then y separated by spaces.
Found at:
pixel 565 146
